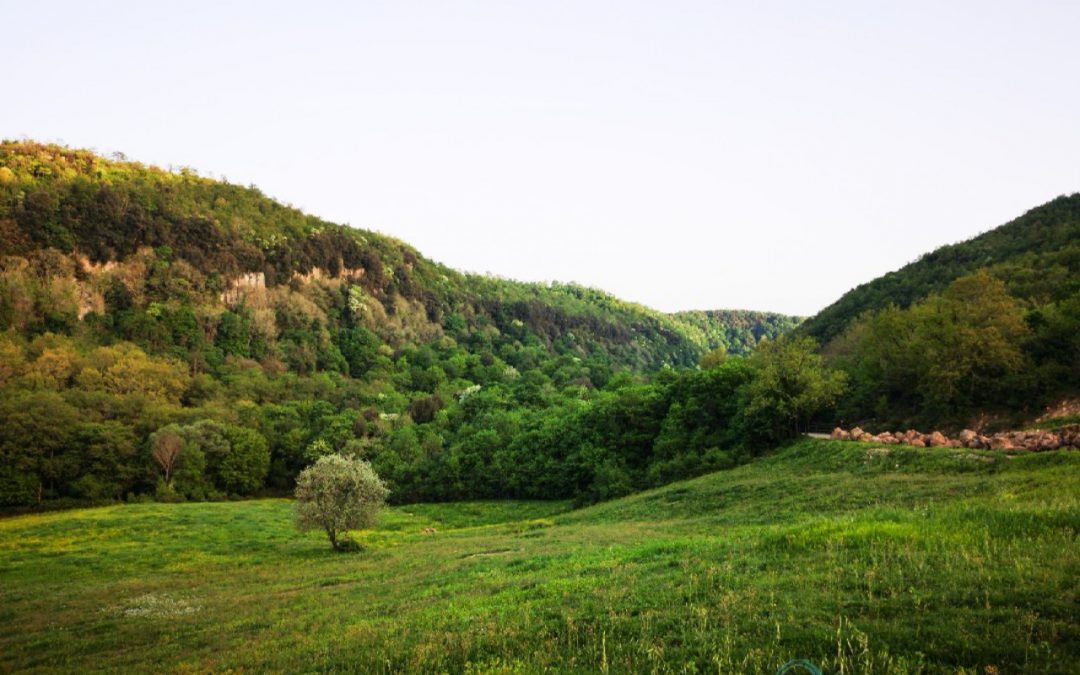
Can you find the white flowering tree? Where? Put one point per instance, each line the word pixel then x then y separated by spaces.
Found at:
pixel 337 494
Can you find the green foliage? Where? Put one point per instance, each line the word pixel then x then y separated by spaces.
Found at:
pixel 983 329
pixel 337 494
pixel 109 463
pixel 737 332
pixel 37 448
pixel 789 386
pixel 516 441
pixel 148 300
pixel 713 358
pixel 211 459
pixel 197 239
pixel 243 469
pixel 946 358
pixel 703 429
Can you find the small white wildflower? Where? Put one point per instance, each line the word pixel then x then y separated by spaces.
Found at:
pixel 156 606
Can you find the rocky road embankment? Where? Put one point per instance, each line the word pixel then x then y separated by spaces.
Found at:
pixel 1067 437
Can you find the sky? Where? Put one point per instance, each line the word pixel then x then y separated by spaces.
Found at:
pixel 685 155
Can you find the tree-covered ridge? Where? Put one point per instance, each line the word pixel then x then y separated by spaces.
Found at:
pixel 737 331
pixel 985 332
pixel 166 335
pixel 1037 256
pixel 96 212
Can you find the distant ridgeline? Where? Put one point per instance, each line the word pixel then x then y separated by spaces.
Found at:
pixel 737 331
pixel 136 301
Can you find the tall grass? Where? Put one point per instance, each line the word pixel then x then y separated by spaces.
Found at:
pixel 933 561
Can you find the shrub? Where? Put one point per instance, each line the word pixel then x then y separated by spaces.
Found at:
pixel 337 494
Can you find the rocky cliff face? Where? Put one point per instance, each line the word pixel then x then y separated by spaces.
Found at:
pixel 240 286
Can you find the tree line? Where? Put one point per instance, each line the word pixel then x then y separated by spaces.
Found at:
pixel 973 350
pixel 113 422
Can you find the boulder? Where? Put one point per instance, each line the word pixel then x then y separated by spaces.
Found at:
pixel 1066 437
pixel 1070 435
pixel 1001 442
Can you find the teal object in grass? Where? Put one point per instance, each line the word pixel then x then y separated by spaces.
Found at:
pixel 799 666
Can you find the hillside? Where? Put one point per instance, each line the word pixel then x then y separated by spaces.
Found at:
pixel 1037 255
pixel 231 242
pixel 138 304
pixel 857 558
pixel 224 243
pixel 984 333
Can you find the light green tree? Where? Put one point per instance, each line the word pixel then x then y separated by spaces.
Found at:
pixel 337 494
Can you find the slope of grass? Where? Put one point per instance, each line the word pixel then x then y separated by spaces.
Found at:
pixel 859 558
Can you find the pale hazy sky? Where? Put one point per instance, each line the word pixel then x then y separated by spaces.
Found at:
pixel 766 155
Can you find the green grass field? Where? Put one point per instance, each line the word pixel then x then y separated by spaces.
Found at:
pixel 859 558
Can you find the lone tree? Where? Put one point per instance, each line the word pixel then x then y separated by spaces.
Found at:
pixel 337 494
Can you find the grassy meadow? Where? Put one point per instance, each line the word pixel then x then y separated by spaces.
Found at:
pixel 860 558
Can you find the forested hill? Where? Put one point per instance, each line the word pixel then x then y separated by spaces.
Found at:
pixel 1037 256
pixel 982 332
pixel 166 334
pixel 133 239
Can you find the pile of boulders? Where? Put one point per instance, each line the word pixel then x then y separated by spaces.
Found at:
pixel 1033 441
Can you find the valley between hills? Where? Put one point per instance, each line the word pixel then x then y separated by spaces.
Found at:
pixel 573 483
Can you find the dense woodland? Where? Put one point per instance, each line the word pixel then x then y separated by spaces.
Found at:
pixel 987 330
pixel 173 337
